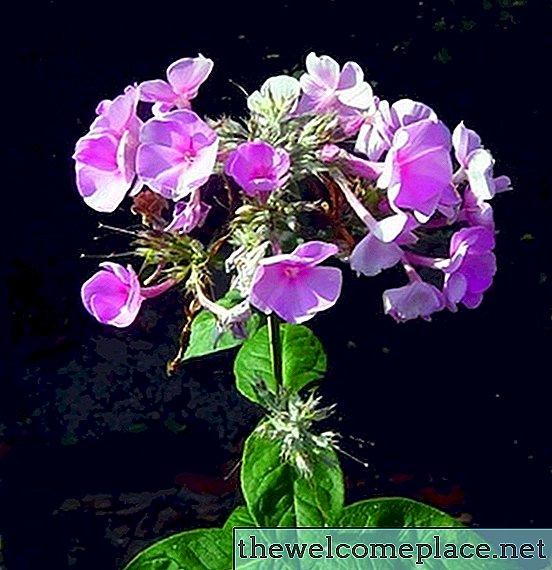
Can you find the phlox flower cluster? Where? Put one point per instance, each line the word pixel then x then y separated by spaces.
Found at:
pixel 318 175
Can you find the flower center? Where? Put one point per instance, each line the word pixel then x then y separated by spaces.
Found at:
pixel 291 272
pixel 188 157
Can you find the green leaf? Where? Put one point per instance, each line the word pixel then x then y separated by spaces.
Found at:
pixel 402 513
pixel 204 330
pixel 277 495
pixel 303 361
pixel 239 517
pixel 202 549
pixel 394 512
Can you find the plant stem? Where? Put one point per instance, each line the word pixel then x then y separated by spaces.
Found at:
pixel 275 349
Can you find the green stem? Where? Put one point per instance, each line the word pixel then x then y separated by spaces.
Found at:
pixel 275 349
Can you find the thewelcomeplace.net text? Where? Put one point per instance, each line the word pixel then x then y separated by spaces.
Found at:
pixel 296 545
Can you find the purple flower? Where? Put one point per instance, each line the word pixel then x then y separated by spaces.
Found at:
pixel 105 157
pixel 177 153
pixel 326 87
pixel 184 77
pixel 188 215
pixel 376 135
pixel 371 255
pixel 113 295
pixel 418 168
pixel 471 267
pixel 417 299
pixel 476 212
pixel 476 164
pixel 258 168
pixel 292 286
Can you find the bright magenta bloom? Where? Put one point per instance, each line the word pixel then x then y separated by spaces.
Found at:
pixel 258 168
pixel 471 268
pixel 292 286
pixel 417 299
pixel 418 168
pixel 376 136
pixel 326 87
pixel 184 77
pixel 105 157
pixel 177 153
pixel 113 295
pixel 476 164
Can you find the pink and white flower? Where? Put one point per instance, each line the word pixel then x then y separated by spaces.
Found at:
pixel 177 153
pixel 184 78
pixel 471 267
pixel 105 156
pixel 114 296
pixel 418 168
pixel 293 286
pixel 258 168
pixel 415 300
pixel 476 164
pixel 376 135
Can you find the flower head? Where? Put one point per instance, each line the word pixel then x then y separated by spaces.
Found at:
pixel 417 299
pixel 184 77
pixel 471 267
pixel 258 168
pixel 326 87
pixel 292 286
pixel 418 168
pixel 476 212
pixel 376 136
pixel 177 153
pixel 371 255
pixel 113 295
pixel 476 164
pixel 105 156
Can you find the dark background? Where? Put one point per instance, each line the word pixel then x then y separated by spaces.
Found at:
pixel 100 452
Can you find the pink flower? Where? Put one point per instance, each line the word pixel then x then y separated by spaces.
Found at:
pixel 417 299
pixel 418 168
pixel 177 153
pixel 326 87
pixel 476 164
pixel 471 267
pixel 376 135
pixel 189 215
pixel 258 168
pixel 371 254
pixel 113 295
pixel 184 77
pixel 292 286
pixel 476 212
pixel 105 157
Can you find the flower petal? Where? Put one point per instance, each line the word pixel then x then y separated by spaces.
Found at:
pixel 157 90
pixel 186 75
pixel 370 256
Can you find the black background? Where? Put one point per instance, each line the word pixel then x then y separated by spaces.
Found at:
pixel 456 412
